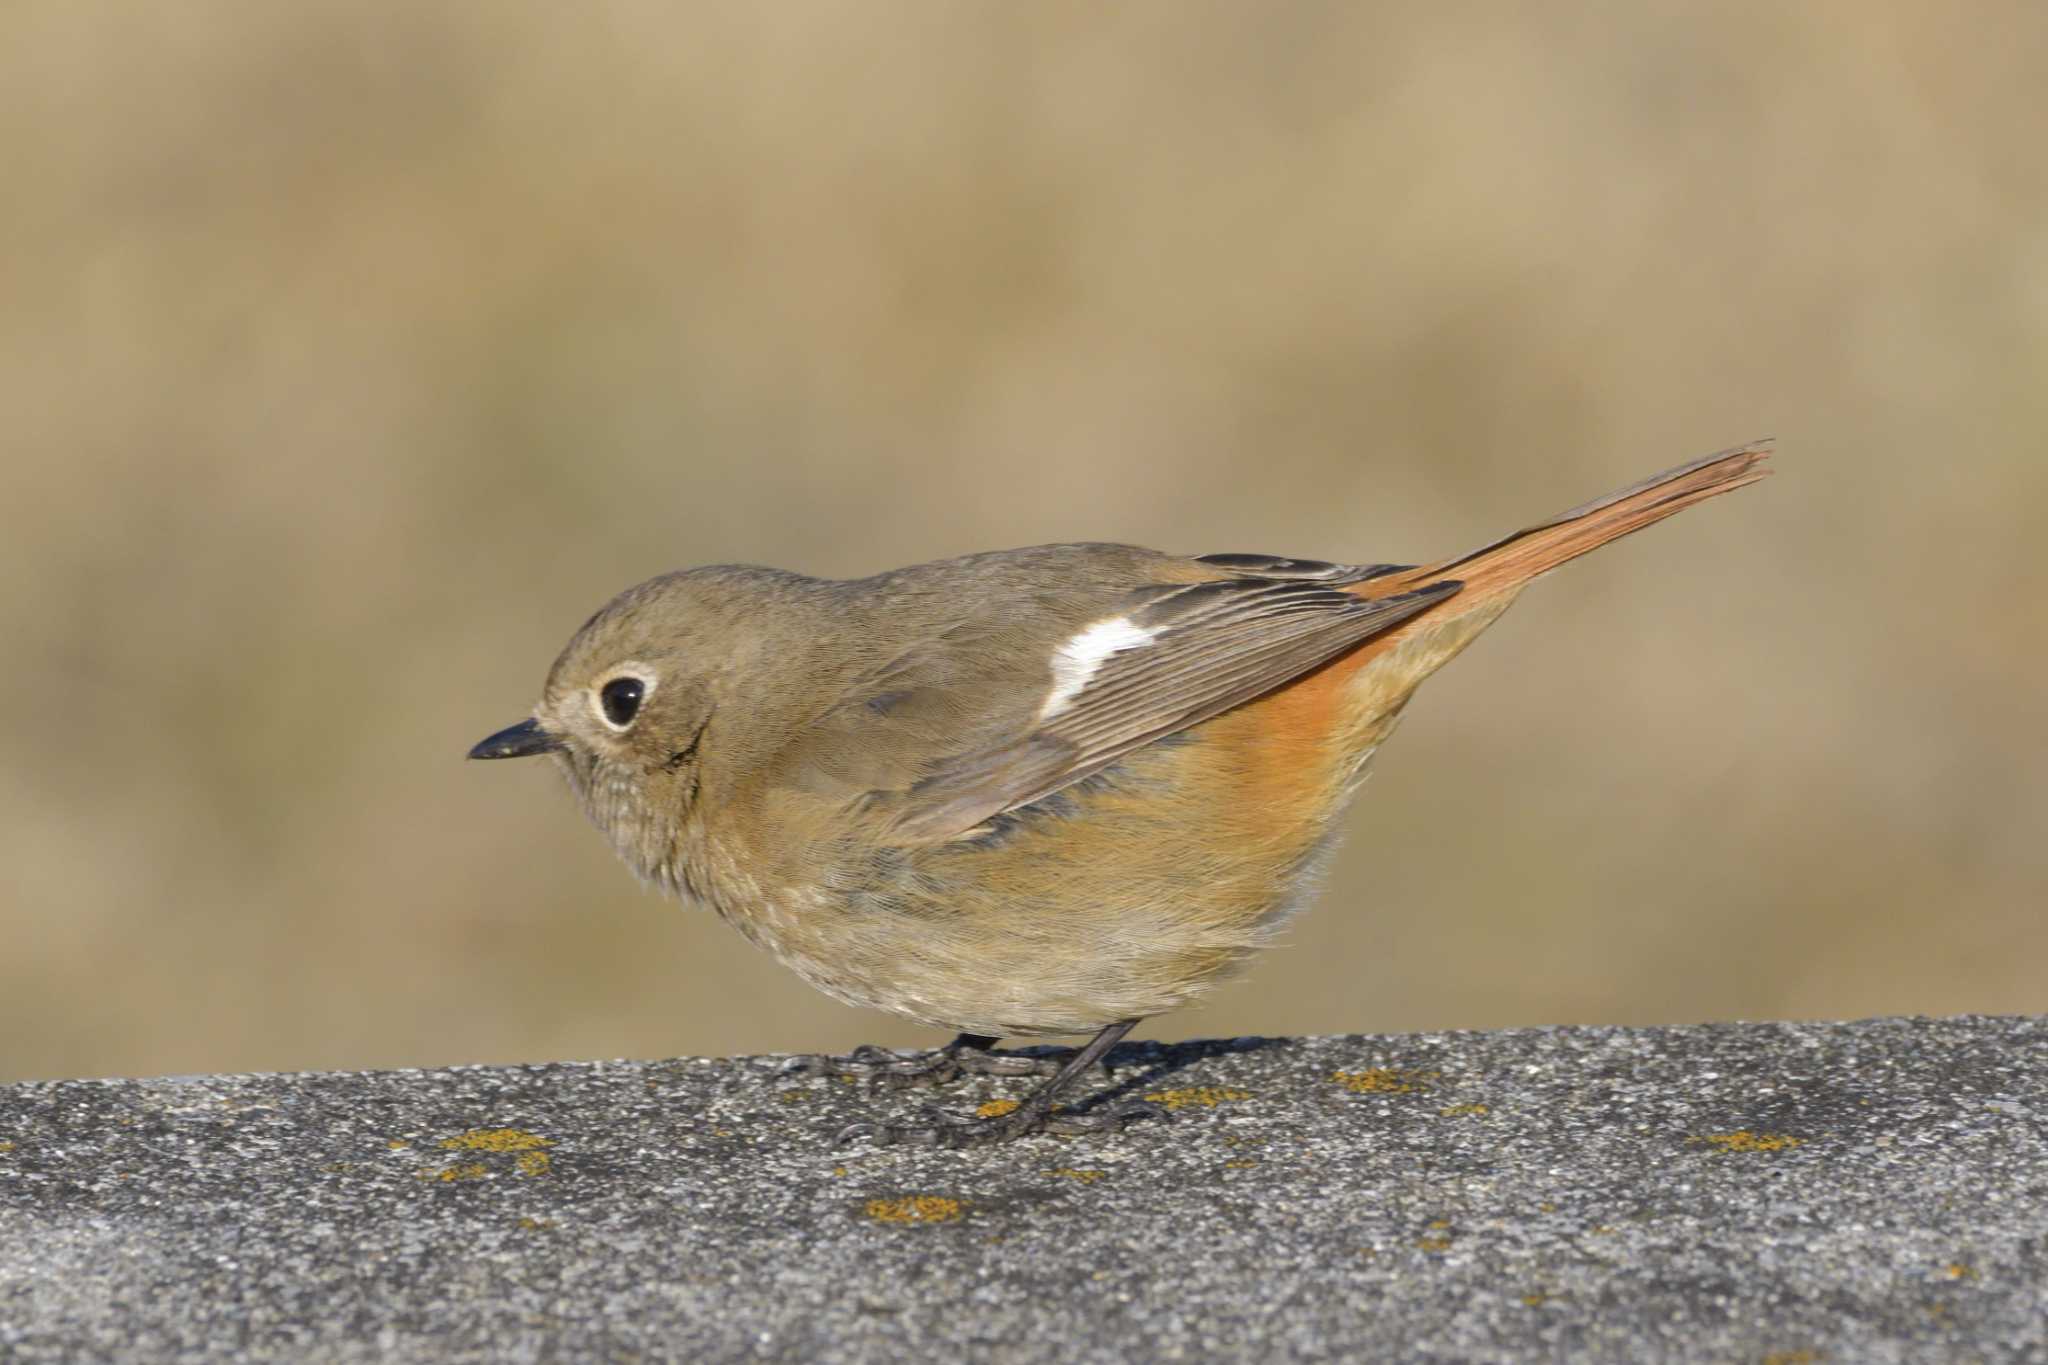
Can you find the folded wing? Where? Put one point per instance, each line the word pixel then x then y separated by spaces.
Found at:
pixel 1171 656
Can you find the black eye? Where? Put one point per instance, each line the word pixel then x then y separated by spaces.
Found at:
pixel 620 699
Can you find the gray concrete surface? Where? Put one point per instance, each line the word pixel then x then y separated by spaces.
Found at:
pixel 1862 1192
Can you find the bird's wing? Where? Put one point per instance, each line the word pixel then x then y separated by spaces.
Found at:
pixel 945 745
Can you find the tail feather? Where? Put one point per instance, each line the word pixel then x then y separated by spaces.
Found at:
pixel 1511 561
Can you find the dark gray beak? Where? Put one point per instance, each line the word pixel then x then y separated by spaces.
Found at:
pixel 517 741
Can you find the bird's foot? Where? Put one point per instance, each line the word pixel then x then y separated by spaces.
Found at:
pixel 1022 1121
pixel 899 1071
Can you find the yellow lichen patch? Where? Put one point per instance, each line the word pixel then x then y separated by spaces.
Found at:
pixel 1535 1300
pixel 468 1170
pixel 995 1109
pixel 526 1148
pixel 1437 1239
pixel 1208 1096
pixel 1801 1357
pixel 1746 1141
pixel 7 1146
pixel 1085 1177
pixel 1384 1080
pixel 1243 1163
pixel 1463 1111
pixel 536 1224
pixel 916 1208
pixel 397 1144
pixel 795 1096
pixel 496 1140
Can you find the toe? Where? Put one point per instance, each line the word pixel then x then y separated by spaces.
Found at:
pixel 1108 1119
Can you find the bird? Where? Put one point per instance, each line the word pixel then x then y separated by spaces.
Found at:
pixel 1027 793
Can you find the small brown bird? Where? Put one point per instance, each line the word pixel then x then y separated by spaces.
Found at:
pixel 1042 791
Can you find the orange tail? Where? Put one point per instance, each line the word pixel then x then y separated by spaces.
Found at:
pixel 1347 707
pixel 1513 560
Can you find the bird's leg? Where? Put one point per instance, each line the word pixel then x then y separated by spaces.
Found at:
pixel 970 1054
pixel 1035 1114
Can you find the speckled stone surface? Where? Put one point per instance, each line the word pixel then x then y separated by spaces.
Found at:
pixel 1862 1192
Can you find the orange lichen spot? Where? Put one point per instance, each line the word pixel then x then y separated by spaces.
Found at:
pixel 839 1170
pixel 1746 1141
pixel 496 1140
pixel 916 1208
pixel 1437 1238
pixel 995 1109
pixel 467 1170
pixel 1958 1271
pixel 1463 1111
pixel 1535 1300
pixel 1085 1177
pixel 1208 1096
pixel 1384 1080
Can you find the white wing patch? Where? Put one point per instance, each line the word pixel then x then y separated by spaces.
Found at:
pixel 1075 662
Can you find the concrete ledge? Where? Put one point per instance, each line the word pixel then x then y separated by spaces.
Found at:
pixel 1792 1192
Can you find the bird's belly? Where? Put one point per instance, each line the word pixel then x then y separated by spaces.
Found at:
pixel 1126 895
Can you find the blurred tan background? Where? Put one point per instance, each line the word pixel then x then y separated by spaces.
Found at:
pixel 350 354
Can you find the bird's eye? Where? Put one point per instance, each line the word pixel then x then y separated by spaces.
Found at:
pixel 620 699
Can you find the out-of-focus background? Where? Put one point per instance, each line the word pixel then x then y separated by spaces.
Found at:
pixel 350 354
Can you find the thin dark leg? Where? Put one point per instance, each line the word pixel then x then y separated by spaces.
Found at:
pixel 1034 1115
pixel 970 1054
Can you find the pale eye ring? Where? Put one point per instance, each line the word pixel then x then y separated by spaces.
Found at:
pixel 620 698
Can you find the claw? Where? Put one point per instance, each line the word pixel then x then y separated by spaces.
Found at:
pixel 1109 1119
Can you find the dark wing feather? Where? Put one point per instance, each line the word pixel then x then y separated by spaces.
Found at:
pixel 1212 646
pixel 1280 566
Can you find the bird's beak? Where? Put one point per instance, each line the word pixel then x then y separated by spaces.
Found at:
pixel 517 741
